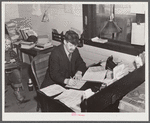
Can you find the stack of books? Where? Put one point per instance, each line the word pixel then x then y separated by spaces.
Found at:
pixel 11 28
pixel 26 32
pixel 44 43
pixel 27 45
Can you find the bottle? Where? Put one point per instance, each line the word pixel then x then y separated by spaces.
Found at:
pixel 30 85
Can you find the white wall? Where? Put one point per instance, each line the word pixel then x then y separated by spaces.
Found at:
pixel 63 17
pixel 11 11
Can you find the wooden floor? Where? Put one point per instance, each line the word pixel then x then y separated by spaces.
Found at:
pixel 12 105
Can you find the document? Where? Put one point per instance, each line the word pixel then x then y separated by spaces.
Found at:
pixel 53 90
pixel 138 34
pixel 88 93
pixel 119 71
pixel 95 74
pixel 78 85
pixel 71 98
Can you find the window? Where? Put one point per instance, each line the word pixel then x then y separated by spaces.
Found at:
pixel 96 16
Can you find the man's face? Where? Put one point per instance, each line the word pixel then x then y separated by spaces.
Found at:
pixel 7 44
pixel 70 47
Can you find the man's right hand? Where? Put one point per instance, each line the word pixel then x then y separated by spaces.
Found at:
pixel 70 81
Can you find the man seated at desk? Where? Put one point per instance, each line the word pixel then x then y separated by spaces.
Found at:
pixel 65 63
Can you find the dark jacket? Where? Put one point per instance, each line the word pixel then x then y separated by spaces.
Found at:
pixel 9 55
pixel 61 68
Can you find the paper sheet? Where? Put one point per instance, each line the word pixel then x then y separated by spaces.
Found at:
pixel 119 71
pixel 88 93
pixel 71 98
pixel 53 90
pixel 94 74
pixel 138 34
pixel 79 84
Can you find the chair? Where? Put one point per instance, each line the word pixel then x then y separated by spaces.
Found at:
pixel 39 67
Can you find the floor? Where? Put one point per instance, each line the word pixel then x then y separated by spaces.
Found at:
pixel 12 105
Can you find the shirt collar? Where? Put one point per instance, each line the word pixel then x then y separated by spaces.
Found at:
pixel 66 51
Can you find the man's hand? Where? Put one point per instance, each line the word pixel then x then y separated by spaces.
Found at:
pixel 70 81
pixel 78 75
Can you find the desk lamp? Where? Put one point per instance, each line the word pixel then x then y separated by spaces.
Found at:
pixel 45 16
pixel 111 26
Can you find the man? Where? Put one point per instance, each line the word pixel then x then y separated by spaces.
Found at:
pixel 62 69
pixel 12 73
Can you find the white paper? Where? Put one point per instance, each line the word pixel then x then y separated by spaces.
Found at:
pixel 99 40
pixel 71 98
pixel 78 85
pixel 119 71
pixel 53 90
pixel 43 40
pixel 94 74
pixel 88 93
pixel 138 34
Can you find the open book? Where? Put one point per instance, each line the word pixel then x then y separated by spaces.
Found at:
pixel 97 73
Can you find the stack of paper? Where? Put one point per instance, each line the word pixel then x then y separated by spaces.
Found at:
pixel 44 43
pixel 53 90
pixel 99 40
pixel 27 45
pixel 72 99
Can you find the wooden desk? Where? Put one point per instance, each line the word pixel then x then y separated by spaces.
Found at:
pixel 49 104
pixel 106 100
pixel 31 52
